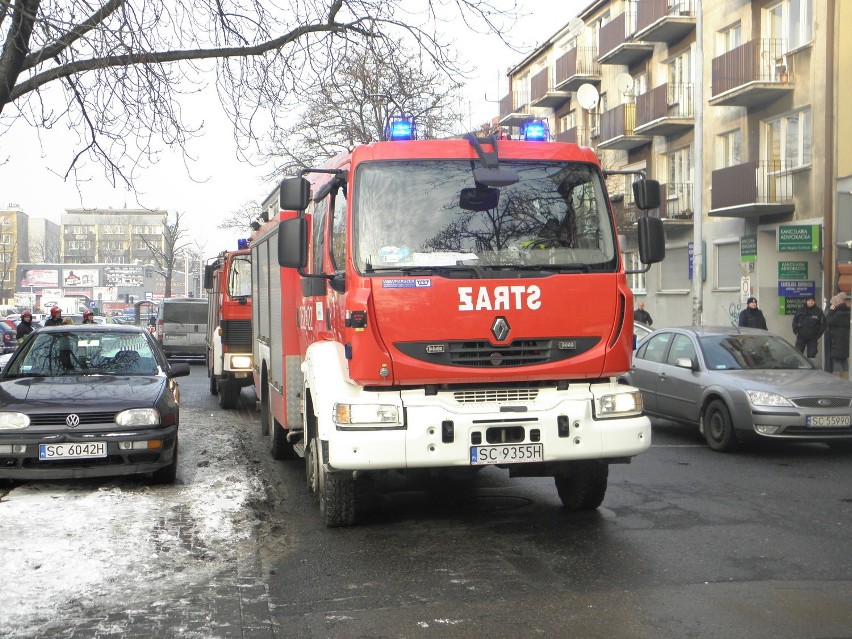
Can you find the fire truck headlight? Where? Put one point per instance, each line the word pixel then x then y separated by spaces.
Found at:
pixel 351 414
pixel 242 362
pixel 625 404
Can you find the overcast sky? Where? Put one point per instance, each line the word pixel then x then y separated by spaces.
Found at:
pixel 217 184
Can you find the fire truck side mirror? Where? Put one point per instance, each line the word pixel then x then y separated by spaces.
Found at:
pixel 652 240
pixel 208 277
pixel 646 194
pixel 294 194
pixel 293 243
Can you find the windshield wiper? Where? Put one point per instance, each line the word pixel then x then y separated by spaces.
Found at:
pixel 426 270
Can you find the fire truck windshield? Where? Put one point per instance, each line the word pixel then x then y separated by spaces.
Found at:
pixel 430 214
pixel 239 284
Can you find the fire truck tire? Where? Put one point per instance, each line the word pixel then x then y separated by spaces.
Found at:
pixel 584 486
pixel 337 498
pixel 279 447
pixel 229 394
pixel 312 468
pixel 264 410
pixel 214 388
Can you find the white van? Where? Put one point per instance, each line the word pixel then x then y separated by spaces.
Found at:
pixel 182 327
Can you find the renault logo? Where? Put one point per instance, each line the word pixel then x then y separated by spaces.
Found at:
pixel 72 420
pixel 500 329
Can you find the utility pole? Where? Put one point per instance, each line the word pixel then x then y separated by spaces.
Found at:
pixel 698 166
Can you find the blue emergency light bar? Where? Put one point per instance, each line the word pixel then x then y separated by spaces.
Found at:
pixel 399 128
pixel 536 131
pixel 242 243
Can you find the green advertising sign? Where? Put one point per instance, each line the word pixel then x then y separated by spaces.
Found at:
pixel 789 305
pixel 748 248
pixel 792 270
pixel 799 238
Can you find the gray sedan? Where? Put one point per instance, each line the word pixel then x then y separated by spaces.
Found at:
pixel 740 384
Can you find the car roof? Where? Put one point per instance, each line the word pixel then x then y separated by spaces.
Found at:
pixel 706 331
pixel 97 328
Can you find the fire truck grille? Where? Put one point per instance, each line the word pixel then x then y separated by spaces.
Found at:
pixel 236 332
pixel 496 396
pixel 482 354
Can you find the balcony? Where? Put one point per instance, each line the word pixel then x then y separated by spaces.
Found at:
pixel 752 75
pixel 665 110
pixel 578 135
pixel 514 109
pixel 577 66
pixel 618 129
pixel 751 189
pixel 676 206
pixel 616 42
pixel 542 92
pixel 664 20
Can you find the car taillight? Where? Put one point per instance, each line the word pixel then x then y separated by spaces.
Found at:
pixel 7 337
pixel 160 330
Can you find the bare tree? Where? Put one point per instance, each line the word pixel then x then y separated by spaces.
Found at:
pixel 241 219
pixel 166 256
pixel 122 68
pixel 44 251
pixel 376 81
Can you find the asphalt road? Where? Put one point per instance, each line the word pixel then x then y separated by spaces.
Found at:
pixel 688 543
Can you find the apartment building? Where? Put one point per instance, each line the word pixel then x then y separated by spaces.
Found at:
pixel 115 236
pixel 731 106
pixel 14 248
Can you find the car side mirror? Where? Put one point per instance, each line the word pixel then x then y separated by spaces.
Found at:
pixel 687 363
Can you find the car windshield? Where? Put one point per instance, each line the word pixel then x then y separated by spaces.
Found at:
pixel 240 278
pixel 415 215
pixel 735 352
pixel 59 353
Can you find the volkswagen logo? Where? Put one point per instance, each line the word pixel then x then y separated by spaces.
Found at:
pixel 500 329
pixel 73 420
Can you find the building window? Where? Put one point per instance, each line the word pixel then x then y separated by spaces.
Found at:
pixel 636 281
pixel 788 141
pixel 730 38
pixel 5 239
pixel 728 152
pixel 674 271
pixel 790 21
pixel 728 269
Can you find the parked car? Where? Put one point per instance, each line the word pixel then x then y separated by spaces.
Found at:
pixel 182 327
pixel 640 332
pixel 739 384
pixel 10 338
pixel 89 401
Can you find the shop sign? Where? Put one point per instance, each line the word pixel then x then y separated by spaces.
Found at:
pixel 796 288
pixel 748 248
pixel 792 270
pixel 789 305
pixel 798 238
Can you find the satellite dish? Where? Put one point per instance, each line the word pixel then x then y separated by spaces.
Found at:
pixel 587 96
pixel 624 83
pixel 575 25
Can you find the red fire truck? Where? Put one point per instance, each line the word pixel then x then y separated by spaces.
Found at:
pixel 227 279
pixel 449 304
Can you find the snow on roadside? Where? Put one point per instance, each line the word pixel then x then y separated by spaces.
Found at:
pixel 107 542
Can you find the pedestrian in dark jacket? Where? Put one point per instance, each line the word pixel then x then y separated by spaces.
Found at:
pixel 837 320
pixel 55 318
pixel 808 327
pixel 25 326
pixel 751 316
pixel 641 315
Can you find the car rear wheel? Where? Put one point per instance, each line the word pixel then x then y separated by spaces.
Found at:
pixel 584 486
pixel 719 428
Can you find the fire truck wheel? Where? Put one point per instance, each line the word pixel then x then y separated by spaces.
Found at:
pixel 311 468
pixel 337 498
pixel 264 410
pixel 229 394
pixel 584 486
pixel 279 447
pixel 214 388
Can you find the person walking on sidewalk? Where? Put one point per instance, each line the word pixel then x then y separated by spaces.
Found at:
pixel 808 327
pixel 837 320
pixel 641 315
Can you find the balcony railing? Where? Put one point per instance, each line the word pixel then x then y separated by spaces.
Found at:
pixel 754 73
pixel 577 135
pixel 665 20
pixel 542 91
pixel 665 110
pixel 615 39
pixel 514 108
pixel 617 130
pixel 677 202
pixel 576 66
pixel 752 188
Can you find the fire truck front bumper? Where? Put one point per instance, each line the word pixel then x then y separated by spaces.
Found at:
pixel 497 427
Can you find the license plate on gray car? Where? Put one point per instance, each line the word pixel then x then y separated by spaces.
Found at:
pixel 829 421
